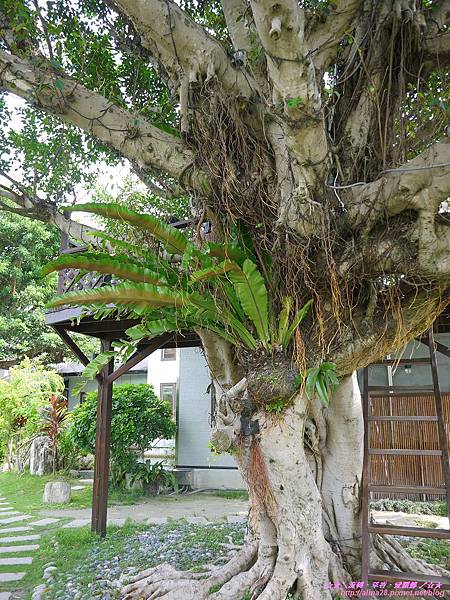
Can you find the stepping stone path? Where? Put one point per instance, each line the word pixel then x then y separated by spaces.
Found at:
pixel 44 522
pixel 14 553
pixel 14 519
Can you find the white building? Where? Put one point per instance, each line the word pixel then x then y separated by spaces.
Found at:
pixel 180 376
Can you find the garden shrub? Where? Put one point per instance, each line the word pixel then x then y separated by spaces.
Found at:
pixel 410 506
pixel 139 418
pixel 23 398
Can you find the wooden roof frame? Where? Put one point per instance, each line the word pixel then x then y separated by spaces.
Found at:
pixel 69 320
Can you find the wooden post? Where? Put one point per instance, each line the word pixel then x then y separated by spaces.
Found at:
pixel 365 482
pixel 441 418
pixel 102 448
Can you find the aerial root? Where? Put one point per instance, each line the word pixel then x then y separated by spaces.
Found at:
pixel 166 582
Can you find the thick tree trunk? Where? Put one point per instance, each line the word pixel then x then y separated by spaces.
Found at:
pixel 303 471
pixel 304 525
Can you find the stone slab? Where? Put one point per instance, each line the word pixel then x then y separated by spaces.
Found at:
pixel 14 519
pixel 5 508
pixel 3 503
pixel 11 577
pixel 78 487
pixel 16 560
pixel 76 523
pixel 196 520
pixel 19 538
pixel 9 513
pixel 89 481
pixel 23 548
pixel 44 522
pixel 118 522
pixel 157 520
pixel 15 529
pixel 236 519
pixel 5 595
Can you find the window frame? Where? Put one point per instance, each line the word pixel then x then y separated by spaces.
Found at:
pixel 170 359
pixel 173 385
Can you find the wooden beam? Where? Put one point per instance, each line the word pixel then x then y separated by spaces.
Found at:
pixel 153 345
pixel 74 347
pixel 445 350
pixel 102 449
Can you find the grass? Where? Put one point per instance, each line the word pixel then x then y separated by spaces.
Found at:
pixel 435 552
pixel 410 506
pixel 232 494
pixel 72 551
pixel 24 492
pixel 67 549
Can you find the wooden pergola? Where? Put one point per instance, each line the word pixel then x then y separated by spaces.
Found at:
pixel 69 320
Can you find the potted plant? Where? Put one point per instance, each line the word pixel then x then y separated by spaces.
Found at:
pixel 154 478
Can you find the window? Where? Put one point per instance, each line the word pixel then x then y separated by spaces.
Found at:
pixel 168 354
pixel 82 397
pixel 168 392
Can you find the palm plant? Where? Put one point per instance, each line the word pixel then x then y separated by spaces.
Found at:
pixel 179 285
pixel 54 416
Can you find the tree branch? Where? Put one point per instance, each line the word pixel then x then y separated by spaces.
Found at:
pixel 130 134
pixel 324 39
pixel 389 334
pixel 182 46
pixel 437 48
pixel 235 12
pixel 419 186
pixel 25 205
pixel 280 28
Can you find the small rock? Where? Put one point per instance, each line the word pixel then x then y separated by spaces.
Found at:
pixel 48 573
pixel 57 492
pixel 38 592
pixel 50 568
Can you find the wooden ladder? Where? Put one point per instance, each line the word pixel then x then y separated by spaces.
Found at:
pixel 369 528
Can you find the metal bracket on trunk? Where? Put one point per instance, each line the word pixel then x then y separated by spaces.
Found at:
pixel 249 427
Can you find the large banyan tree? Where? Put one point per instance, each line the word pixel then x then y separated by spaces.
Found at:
pixel 310 136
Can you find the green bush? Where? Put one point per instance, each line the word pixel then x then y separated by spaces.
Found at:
pixel 139 418
pixel 410 506
pixel 69 451
pixel 23 398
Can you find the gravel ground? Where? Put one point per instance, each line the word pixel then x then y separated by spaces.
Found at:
pixel 182 545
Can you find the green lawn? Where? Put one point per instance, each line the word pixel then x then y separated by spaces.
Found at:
pixel 24 492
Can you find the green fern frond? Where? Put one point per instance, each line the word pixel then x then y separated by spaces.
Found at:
pixel 174 240
pixel 120 266
pixel 137 295
pixel 252 293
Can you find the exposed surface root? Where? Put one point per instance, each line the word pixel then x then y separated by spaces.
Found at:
pixel 390 554
pixel 166 582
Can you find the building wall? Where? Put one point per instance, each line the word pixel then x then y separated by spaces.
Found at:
pixel 162 371
pixel 419 375
pixel 91 386
pixel 194 428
